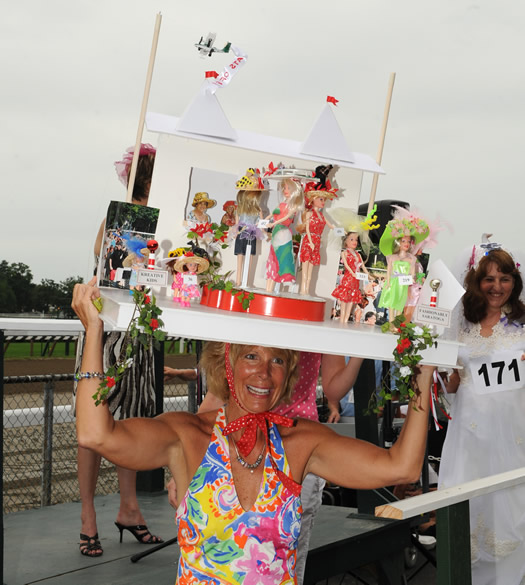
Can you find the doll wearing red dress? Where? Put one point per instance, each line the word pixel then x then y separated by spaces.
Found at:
pixel 348 291
pixel 314 225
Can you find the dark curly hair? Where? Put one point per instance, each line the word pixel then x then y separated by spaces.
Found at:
pixel 212 361
pixel 474 302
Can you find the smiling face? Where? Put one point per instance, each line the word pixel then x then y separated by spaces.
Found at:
pixel 496 286
pixel 202 206
pixel 192 266
pixel 260 375
pixel 352 240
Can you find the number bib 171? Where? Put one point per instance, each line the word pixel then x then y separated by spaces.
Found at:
pixel 504 370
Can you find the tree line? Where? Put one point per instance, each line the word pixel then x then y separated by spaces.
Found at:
pixel 19 294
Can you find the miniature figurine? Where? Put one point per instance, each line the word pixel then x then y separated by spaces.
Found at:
pixel 280 266
pixel 228 218
pixel 314 224
pixel 414 290
pixel 396 244
pixel 246 232
pixel 201 202
pixel 357 232
pixel 348 291
pixel 185 285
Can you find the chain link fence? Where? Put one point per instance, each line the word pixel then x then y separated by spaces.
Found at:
pixel 39 440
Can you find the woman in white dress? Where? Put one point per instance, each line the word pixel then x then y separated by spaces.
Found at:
pixel 487 432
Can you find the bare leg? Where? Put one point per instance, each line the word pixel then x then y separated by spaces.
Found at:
pixel 129 513
pixel 409 312
pixel 307 275
pixel 240 265
pixel 270 285
pixel 88 465
pixel 348 311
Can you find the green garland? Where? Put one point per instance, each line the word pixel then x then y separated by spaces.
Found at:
pixel 144 328
pixel 412 339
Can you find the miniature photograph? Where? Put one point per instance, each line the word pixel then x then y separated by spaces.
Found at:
pixel 124 250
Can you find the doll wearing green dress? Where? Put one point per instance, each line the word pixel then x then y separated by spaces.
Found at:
pixel 396 244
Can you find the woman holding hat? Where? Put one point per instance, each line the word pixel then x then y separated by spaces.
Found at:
pixel 396 244
pixel 315 223
pixel 201 202
pixel 239 469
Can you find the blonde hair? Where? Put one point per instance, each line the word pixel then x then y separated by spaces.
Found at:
pixel 212 361
pixel 248 202
pixel 296 199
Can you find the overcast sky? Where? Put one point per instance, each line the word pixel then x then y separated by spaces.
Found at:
pixel 73 76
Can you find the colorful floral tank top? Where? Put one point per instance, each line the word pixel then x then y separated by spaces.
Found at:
pixel 219 541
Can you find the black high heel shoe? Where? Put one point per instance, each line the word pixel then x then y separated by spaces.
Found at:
pixel 140 532
pixel 90 545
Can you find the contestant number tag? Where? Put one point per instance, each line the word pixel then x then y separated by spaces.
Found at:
pixel 503 371
pixel 263 223
pixel 362 276
pixel 405 279
pixel 189 279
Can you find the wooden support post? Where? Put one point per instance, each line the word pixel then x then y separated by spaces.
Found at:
pixel 453 545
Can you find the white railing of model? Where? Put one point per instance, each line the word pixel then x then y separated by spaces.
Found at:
pixel 454 495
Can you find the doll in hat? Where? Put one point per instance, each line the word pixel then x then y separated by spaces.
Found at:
pixel 357 233
pixel 396 243
pixel 185 285
pixel 201 203
pixel 250 188
pixel 280 266
pixel 229 209
pixel 314 224
pixel 348 291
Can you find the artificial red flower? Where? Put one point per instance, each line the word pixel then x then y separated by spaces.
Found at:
pixel 202 228
pixel 147 300
pixel 110 382
pixel 221 238
pixel 154 324
pixel 403 344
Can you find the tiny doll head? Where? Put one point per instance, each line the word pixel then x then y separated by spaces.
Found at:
pixel 229 207
pixel 403 244
pixel 292 193
pixel 250 188
pixel 172 257
pixel 190 262
pixel 248 202
pixel 351 240
pixel 201 201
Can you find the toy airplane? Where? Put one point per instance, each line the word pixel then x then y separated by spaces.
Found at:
pixel 206 48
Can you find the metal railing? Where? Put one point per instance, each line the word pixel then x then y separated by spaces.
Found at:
pixel 39 439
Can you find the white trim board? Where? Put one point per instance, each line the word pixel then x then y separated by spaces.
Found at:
pixel 447 497
pixel 164 124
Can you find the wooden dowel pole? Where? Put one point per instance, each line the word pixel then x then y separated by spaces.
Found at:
pixel 145 99
pixel 382 140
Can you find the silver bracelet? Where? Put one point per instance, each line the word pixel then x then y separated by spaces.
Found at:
pixel 87 375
